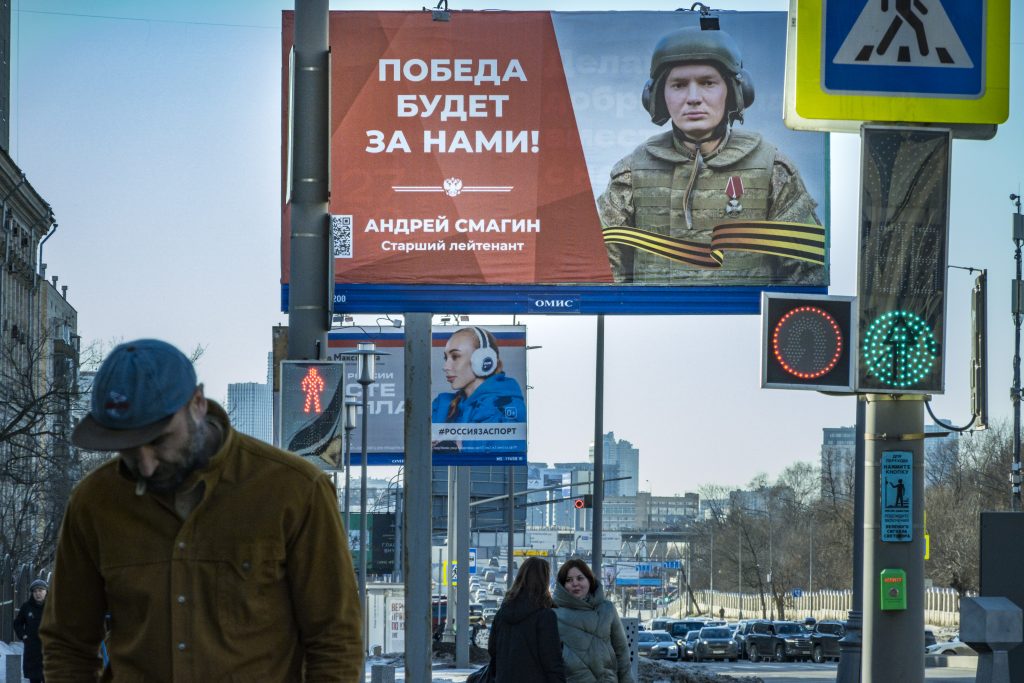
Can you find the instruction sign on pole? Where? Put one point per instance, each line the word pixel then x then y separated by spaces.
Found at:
pixel 897 489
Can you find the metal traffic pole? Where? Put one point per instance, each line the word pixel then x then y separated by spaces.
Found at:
pixel 309 238
pixel 1016 304
pixel 367 356
pixel 416 504
pixel 350 423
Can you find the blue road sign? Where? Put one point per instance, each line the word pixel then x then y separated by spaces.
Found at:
pixel 798 592
pixel 898 47
pixel 897 494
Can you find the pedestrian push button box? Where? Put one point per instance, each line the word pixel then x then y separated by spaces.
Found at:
pixel 893 589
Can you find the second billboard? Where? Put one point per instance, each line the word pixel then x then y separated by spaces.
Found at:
pixel 478 385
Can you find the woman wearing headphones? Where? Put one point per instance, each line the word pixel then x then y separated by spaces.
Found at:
pixel 481 390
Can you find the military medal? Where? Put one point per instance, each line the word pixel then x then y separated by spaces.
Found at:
pixel 734 190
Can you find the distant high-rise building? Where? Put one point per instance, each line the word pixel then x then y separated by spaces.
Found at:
pixel 621 459
pixel 250 409
pixel 838 449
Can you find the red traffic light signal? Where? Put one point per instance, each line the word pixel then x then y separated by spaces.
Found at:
pixel 807 342
pixel 584 501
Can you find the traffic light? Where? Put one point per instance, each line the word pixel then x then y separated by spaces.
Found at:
pixel 583 502
pixel 312 401
pixel 903 256
pixel 807 342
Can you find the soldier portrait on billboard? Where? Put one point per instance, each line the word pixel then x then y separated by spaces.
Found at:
pixel 706 202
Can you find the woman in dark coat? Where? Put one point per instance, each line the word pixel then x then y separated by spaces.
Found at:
pixel 524 643
pixel 26 627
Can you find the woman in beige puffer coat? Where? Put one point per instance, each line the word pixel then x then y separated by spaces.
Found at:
pixel 594 645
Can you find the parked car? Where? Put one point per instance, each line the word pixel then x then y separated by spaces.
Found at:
pixel 659 624
pixel 739 634
pixel 795 641
pixel 689 644
pixel 825 640
pixel 929 639
pixel 783 640
pixel 714 642
pixel 951 647
pixel 680 627
pixel 657 645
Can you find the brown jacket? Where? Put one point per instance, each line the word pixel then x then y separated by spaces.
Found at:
pixel 255 585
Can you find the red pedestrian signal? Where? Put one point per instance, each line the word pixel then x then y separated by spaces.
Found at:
pixel 312 386
pixel 807 342
pixel 312 397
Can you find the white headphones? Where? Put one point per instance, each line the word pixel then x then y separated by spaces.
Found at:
pixel 484 360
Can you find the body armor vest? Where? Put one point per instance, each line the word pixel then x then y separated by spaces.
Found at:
pixel 670 199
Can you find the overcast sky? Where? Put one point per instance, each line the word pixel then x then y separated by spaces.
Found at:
pixel 153 130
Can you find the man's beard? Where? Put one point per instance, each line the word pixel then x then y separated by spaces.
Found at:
pixel 168 478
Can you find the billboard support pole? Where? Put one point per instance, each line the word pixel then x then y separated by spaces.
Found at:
pixel 462 479
pixel 311 265
pixel 598 492
pixel 510 509
pixel 416 509
pixel 449 631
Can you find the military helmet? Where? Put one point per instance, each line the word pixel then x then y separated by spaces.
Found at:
pixel 696 45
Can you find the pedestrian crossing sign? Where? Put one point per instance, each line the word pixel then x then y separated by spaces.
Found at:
pixel 915 61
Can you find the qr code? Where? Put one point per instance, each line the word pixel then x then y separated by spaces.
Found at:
pixel 341 235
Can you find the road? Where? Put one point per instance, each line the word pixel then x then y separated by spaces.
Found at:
pixel 805 672
pixel 961 670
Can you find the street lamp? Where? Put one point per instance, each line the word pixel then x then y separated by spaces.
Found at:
pixel 366 356
pixel 350 423
pixel 365 376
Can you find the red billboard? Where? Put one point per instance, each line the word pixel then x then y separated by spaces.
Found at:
pixel 610 162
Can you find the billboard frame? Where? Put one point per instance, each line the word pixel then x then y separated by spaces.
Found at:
pixel 551 299
pixel 363 293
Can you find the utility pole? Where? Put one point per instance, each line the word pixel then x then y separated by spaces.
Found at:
pixel 598 490
pixel 311 262
pixel 416 508
pixel 1016 303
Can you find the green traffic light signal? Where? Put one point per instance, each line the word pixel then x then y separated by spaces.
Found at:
pixel 902 264
pixel 899 349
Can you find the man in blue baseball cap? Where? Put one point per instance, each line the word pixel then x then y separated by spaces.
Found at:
pixel 215 555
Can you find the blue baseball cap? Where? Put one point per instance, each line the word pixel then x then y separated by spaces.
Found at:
pixel 135 394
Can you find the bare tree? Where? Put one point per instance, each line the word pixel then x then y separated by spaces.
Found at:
pixel 965 478
pixel 37 392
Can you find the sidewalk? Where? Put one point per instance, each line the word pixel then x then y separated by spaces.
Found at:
pixel 442 672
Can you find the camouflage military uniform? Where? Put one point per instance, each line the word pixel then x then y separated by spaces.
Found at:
pixel 655 189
